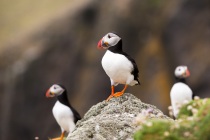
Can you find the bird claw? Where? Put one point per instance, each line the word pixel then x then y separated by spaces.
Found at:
pixel 109 98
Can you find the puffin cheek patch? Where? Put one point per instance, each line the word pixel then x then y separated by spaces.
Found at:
pixel 112 41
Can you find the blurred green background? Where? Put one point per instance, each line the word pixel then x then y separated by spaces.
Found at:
pixel 46 41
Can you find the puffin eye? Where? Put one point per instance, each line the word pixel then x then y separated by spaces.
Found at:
pixel 109 36
pixel 55 87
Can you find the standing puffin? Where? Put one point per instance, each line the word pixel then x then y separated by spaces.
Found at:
pixel 65 115
pixel 118 65
pixel 180 91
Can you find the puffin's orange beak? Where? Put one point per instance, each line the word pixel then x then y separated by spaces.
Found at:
pixel 99 46
pixel 49 94
pixel 187 73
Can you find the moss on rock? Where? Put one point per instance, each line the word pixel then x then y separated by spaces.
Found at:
pixel 192 123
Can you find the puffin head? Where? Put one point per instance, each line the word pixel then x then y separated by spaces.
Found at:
pixel 182 72
pixel 55 90
pixel 108 40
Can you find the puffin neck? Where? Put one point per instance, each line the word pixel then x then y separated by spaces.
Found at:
pixel 117 48
pixel 64 99
pixel 183 80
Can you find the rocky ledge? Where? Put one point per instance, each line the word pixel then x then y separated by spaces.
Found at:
pixel 115 119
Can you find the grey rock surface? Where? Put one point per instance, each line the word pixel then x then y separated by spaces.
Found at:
pixel 112 120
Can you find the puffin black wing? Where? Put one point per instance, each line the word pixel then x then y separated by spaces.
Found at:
pixel 76 115
pixel 135 71
pixel 64 100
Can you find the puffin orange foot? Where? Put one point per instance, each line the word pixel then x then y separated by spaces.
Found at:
pixel 112 93
pixel 59 138
pixel 118 94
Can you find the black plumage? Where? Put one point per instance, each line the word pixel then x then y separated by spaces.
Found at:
pixel 63 98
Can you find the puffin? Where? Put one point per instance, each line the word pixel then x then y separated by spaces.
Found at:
pixel 65 115
pixel 118 65
pixel 180 91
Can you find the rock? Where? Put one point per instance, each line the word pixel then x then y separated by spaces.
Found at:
pixel 114 119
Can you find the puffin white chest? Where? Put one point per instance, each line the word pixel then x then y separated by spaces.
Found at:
pixel 64 116
pixel 180 92
pixel 117 67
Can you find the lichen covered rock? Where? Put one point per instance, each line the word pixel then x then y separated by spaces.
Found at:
pixel 115 119
pixel 192 123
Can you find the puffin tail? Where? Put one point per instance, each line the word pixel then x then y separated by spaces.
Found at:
pixel 135 82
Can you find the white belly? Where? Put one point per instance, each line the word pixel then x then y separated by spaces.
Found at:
pixel 117 67
pixel 180 92
pixel 64 117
